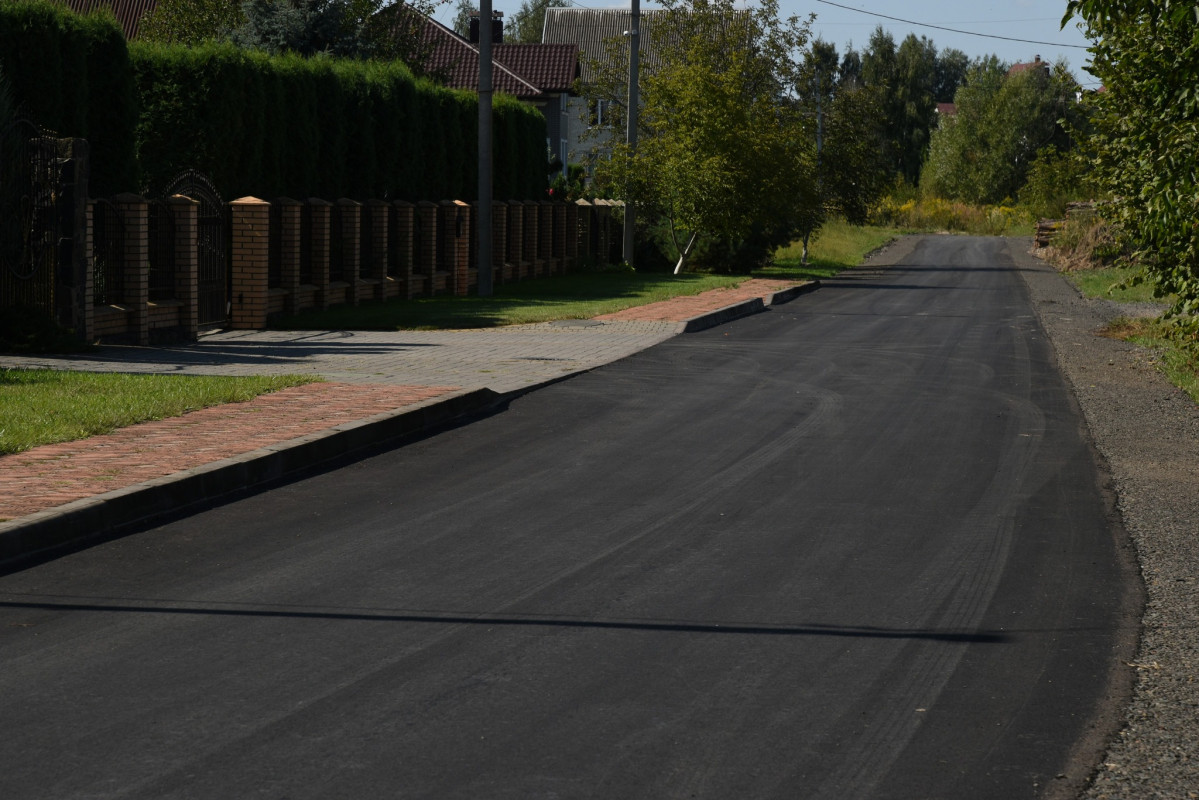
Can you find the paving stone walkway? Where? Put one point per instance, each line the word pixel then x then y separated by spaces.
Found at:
pixel 367 373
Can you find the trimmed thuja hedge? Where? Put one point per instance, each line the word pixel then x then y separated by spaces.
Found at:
pixel 257 124
pixel 270 125
pixel 72 75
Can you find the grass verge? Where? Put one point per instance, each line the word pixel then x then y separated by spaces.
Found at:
pixel 1112 283
pixel 586 294
pixel 45 406
pixel 579 296
pixel 1175 346
pixel 838 247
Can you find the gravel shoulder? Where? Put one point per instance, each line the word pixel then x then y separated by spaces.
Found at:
pixel 1148 433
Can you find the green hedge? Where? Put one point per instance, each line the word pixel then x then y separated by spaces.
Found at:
pixel 72 75
pixel 283 125
pixel 257 124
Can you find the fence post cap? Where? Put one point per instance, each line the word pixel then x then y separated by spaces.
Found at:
pixel 317 201
pixel 127 197
pixel 182 200
pixel 345 201
pixel 249 201
pixel 287 201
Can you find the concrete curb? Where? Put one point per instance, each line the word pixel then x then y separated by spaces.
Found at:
pixel 787 295
pixel 106 515
pixel 710 319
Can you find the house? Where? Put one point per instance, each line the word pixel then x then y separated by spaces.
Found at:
pixel 591 30
pixel 542 75
pixel 1037 63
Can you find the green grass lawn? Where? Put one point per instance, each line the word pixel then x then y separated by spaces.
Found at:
pixel 578 296
pixel 586 294
pixel 44 406
pixel 1109 283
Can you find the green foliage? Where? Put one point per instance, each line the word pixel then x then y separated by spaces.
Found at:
pixel 71 75
pixel 1146 132
pixel 1055 179
pixel 721 153
pixel 528 23
pixel 190 22
pixel 984 153
pixel 463 10
pixel 285 125
pixel 26 330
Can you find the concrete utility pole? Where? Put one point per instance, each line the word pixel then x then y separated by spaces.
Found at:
pixel 634 34
pixel 485 187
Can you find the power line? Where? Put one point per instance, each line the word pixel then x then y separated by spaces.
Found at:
pixel 951 30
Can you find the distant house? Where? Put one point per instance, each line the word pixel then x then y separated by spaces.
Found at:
pixel 591 30
pixel 542 75
pixel 947 110
pixel 1037 63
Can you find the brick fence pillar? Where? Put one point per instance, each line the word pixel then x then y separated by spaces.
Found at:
pixel 135 211
pixel 426 257
pixel 533 239
pixel 570 237
pixel 186 214
pixel 375 212
pixel 585 231
pixel 321 214
pixel 351 246
pixel 250 232
pixel 289 215
pixel 400 239
pixel 501 270
pixel 516 240
pixel 462 231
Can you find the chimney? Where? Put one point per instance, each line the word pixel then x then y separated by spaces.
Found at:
pixel 497 27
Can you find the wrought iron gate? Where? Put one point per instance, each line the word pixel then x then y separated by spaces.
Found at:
pixel 29 218
pixel 214 278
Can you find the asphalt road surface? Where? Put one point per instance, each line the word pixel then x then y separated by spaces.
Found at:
pixel 854 547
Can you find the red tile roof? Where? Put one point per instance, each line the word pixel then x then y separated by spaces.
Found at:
pixel 526 71
pixel 549 67
pixel 128 12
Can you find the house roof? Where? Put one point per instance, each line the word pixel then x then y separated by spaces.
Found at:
pixel 549 67
pixel 525 71
pixel 129 13
pixel 591 28
pixel 947 109
pixel 1024 67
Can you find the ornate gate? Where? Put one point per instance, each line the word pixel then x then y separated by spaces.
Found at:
pixel 29 218
pixel 212 244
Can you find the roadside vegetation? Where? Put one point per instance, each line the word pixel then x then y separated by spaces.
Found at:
pixel 1087 252
pixel 588 294
pixel 45 406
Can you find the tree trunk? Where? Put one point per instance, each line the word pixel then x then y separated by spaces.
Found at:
pixel 686 252
pixel 806 236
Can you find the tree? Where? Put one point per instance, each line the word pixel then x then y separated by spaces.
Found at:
pixel 723 152
pixel 190 22
pixel 983 154
pixel 1146 133
pixel 528 23
pixel 463 11
pixel 952 67
pixel 349 28
pixel 850 171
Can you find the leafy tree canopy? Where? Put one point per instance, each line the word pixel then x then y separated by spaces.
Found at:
pixel 1146 131
pixel 984 153
pixel 528 23
pixel 724 151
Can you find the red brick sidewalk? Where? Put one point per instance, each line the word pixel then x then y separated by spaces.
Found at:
pixel 56 474
pixel 53 475
pixel 680 309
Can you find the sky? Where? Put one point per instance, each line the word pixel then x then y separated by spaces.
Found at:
pixel 1036 22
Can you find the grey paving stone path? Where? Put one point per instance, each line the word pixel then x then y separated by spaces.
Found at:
pixel 501 359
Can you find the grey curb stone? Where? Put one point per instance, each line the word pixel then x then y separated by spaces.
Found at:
pixel 105 516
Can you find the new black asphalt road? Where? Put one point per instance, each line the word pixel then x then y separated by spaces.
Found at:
pixel 853 547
